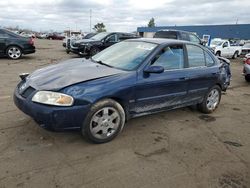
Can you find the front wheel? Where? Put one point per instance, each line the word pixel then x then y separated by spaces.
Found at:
pixel 93 51
pixel 14 52
pixel 104 121
pixel 211 100
pixel 235 55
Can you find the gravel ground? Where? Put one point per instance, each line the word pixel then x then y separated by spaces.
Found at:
pixel 179 148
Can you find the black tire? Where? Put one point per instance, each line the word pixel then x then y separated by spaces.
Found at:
pixel 89 123
pixel 247 78
pixel 203 107
pixel 93 51
pixel 14 49
pixel 235 55
pixel 217 53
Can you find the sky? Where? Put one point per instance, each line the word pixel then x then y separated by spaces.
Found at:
pixel 119 15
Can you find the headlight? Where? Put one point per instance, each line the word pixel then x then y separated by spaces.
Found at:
pixel 53 98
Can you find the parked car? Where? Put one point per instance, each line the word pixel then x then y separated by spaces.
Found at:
pixel 247 55
pixel 225 49
pixel 181 35
pixel 75 38
pixel 178 35
pixel 246 68
pixel 245 49
pixel 129 79
pixel 55 36
pixel 41 35
pixel 92 46
pixel 14 46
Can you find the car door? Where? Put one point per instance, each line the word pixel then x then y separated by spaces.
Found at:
pixel 155 91
pixel 201 76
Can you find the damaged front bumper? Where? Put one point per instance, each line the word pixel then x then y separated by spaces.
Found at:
pixel 51 117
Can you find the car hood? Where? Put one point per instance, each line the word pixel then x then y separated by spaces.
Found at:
pixel 70 72
pixel 86 41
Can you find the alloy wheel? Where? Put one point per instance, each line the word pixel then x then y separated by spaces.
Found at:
pixel 14 52
pixel 105 122
pixel 213 99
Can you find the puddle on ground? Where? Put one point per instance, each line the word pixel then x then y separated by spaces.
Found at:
pixel 235 144
pixel 236 109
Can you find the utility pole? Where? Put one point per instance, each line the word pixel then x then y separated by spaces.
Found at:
pixel 90 19
pixel 237 21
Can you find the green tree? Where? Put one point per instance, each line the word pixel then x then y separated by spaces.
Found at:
pixel 99 27
pixel 151 22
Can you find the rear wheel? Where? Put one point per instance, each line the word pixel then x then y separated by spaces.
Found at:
pixel 104 121
pixel 14 52
pixel 211 100
pixel 247 78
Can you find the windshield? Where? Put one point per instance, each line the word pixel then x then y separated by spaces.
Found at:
pixel 216 42
pixel 100 36
pixel 126 55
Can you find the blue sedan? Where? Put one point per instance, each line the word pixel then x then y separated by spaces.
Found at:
pixel 129 79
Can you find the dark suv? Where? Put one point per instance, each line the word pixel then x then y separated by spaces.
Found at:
pixel 14 45
pixel 179 35
pixel 90 47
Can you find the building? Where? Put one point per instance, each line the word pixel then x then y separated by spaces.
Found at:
pixel 239 31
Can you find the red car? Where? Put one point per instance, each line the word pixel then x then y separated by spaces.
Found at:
pixel 55 36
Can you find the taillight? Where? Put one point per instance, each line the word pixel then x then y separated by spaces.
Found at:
pixel 247 61
pixel 31 41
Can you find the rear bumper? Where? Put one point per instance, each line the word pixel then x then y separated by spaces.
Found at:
pixel 52 117
pixel 29 50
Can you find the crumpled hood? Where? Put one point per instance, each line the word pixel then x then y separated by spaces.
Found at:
pixel 70 72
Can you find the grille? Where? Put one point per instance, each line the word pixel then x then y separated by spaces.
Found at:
pixel 27 92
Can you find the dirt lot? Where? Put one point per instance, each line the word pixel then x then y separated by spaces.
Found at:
pixel 180 148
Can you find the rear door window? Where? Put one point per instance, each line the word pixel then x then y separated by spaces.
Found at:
pixel 171 57
pixel 196 56
pixel 209 60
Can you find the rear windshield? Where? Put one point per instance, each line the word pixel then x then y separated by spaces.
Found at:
pixel 166 34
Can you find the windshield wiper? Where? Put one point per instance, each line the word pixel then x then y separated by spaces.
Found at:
pixel 100 62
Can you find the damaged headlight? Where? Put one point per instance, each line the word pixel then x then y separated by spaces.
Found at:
pixel 53 98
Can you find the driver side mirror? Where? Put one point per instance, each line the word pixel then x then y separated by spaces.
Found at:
pixel 154 69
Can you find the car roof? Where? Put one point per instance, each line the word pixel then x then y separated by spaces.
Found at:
pixel 161 41
pixel 175 30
